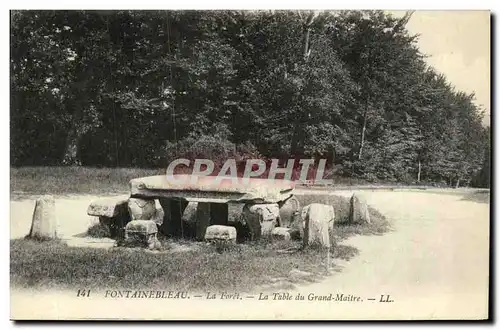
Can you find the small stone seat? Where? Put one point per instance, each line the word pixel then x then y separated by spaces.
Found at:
pixel 112 212
pixel 141 232
pixel 220 233
pixel 281 233
pixel 108 206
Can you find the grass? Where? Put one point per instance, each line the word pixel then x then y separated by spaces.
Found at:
pixel 55 265
pixel 199 267
pixel 478 196
pixel 241 267
pixel 74 180
pixel 62 180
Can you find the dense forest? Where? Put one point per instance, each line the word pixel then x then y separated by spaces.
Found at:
pixel 141 88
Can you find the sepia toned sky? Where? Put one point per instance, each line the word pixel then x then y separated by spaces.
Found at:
pixel 458 43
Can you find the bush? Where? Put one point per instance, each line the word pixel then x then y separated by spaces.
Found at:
pixel 214 148
pixel 99 230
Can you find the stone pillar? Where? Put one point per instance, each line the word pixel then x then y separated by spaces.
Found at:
pixel 189 214
pixel 234 211
pixel 202 220
pixel 306 230
pixel 260 219
pixel 177 208
pixel 318 224
pixel 358 211
pixel 172 221
pixel 44 222
pixel 141 209
pixel 252 220
pixel 165 205
pixel 289 210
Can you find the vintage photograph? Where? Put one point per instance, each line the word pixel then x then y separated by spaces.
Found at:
pixel 250 165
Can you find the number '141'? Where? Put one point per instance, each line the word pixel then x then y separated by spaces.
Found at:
pixel 83 293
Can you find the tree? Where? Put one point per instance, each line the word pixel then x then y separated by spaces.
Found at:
pixel 136 88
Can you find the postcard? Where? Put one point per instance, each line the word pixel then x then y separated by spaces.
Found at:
pixel 250 165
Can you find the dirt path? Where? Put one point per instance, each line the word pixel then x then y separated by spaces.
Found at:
pixel 71 214
pixel 434 264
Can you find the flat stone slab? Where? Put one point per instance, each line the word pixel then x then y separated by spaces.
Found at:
pixel 208 189
pixel 107 206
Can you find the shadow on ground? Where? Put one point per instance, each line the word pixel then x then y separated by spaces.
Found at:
pixel 478 197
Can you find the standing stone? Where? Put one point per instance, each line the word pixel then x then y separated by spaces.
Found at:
pixel 141 209
pixel 189 214
pixel 261 219
pixel 44 222
pixel 318 222
pixel 290 217
pixel 289 212
pixel 177 208
pixel 165 205
pixel 172 221
pixel 358 211
pixel 234 211
pixel 202 220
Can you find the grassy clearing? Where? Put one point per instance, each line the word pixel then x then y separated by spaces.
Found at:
pixel 243 268
pixel 196 267
pixel 74 180
pixel 61 180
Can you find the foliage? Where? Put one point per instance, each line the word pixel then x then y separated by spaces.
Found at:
pixel 98 230
pixel 139 88
pixel 200 269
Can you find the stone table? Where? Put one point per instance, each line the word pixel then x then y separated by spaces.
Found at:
pixel 219 201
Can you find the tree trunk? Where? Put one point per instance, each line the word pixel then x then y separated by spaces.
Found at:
pixel 419 171
pixel 458 183
pixel 294 144
pixel 363 130
pixel 71 156
pixel 367 102
pixel 306 43
pixel 297 130
pixel 307 33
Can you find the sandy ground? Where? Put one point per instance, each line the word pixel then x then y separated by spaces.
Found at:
pixel 433 264
pixel 72 218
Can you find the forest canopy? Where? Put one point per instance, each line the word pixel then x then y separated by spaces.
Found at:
pixel 141 88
